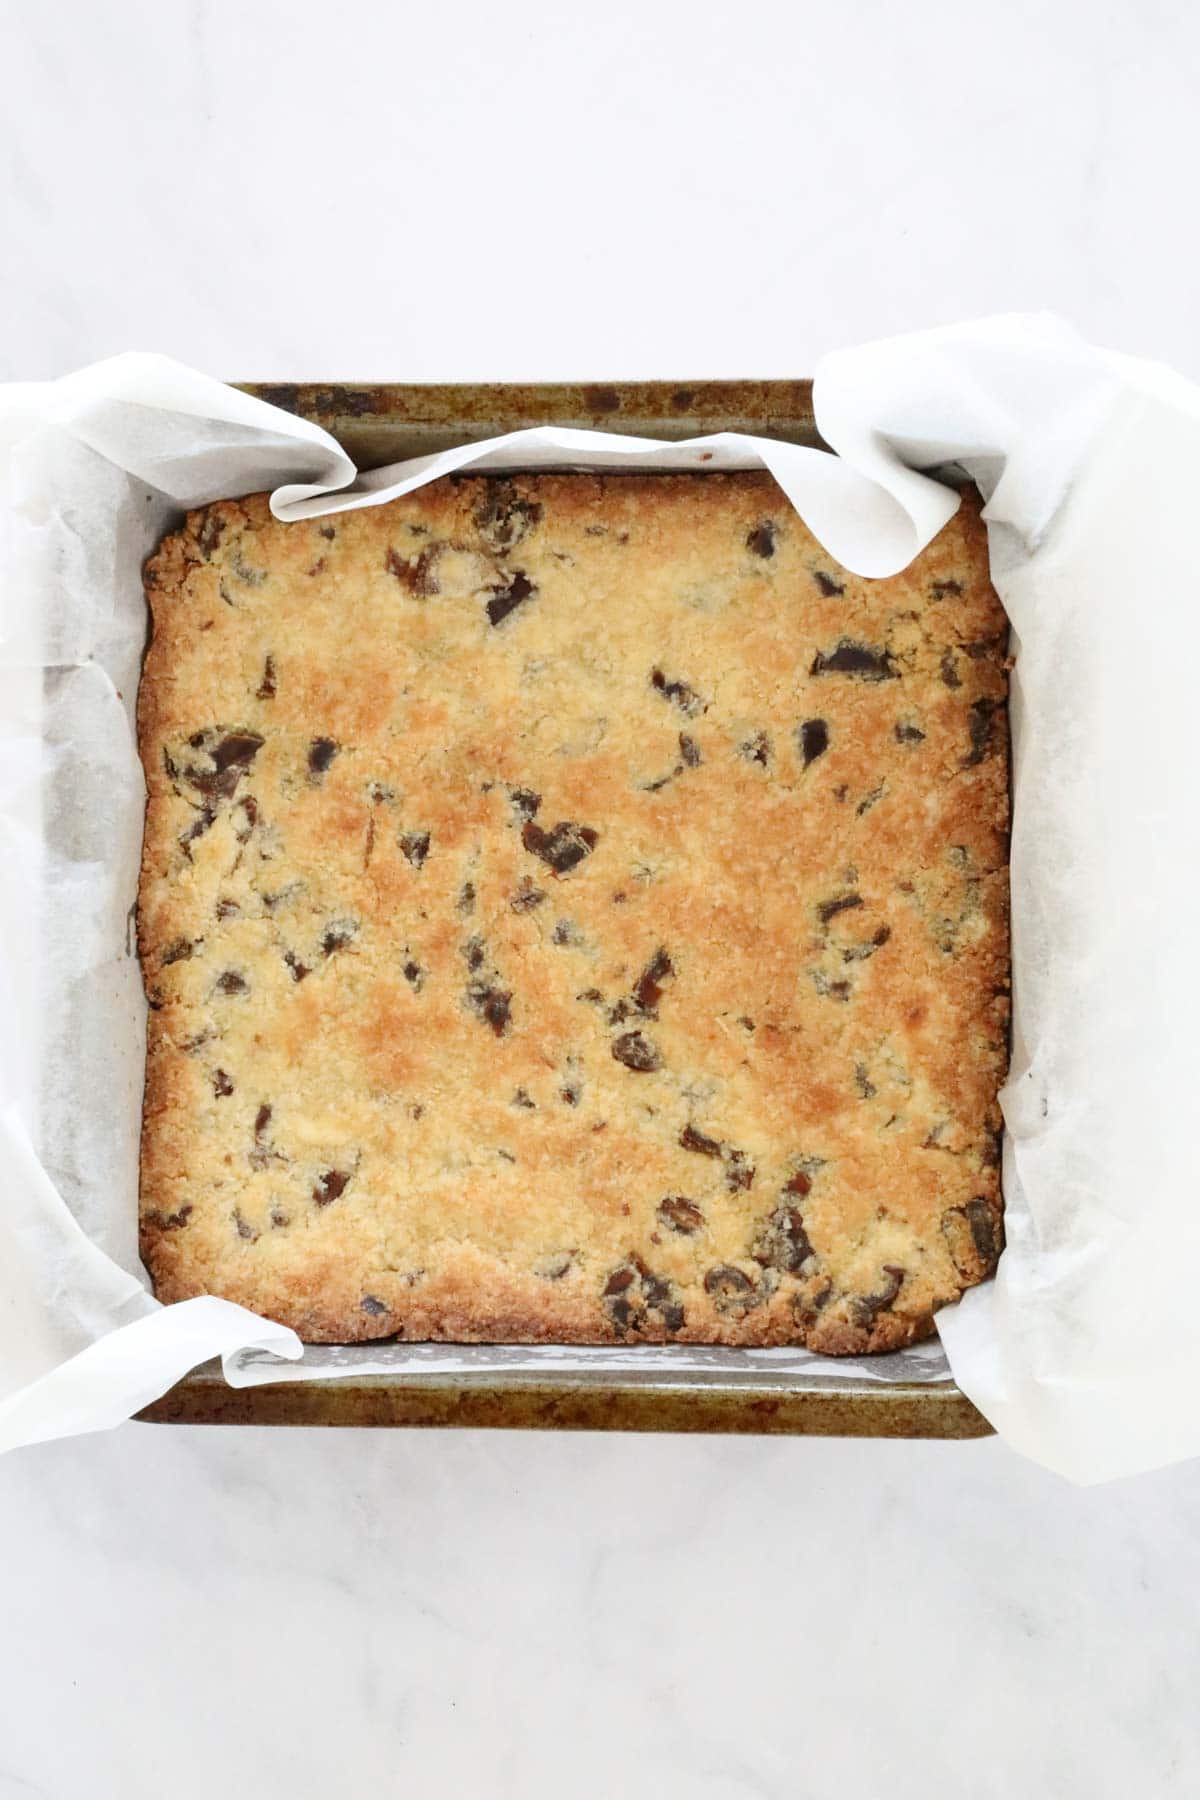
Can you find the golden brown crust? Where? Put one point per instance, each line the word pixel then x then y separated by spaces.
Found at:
pixel 573 909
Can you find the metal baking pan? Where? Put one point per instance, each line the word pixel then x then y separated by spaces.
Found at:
pixel 385 424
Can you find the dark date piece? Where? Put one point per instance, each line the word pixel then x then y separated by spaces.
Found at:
pixel 814 740
pixel 679 693
pixel 782 1242
pixel 679 1214
pixel 637 1052
pixel 562 849
pixel 230 753
pixel 330 1186
pixel 864 662
pixel 321 753
pixel 732 1292
pixel 829 909
pixel 507 596
pixel 649 988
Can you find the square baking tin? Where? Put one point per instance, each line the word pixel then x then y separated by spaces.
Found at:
pixel 649 1388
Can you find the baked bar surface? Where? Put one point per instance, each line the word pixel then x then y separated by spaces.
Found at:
pixel 572 909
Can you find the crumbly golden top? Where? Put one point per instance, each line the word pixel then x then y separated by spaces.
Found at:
pixel 574 909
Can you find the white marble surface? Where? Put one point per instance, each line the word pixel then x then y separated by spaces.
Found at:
pixel 262 193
